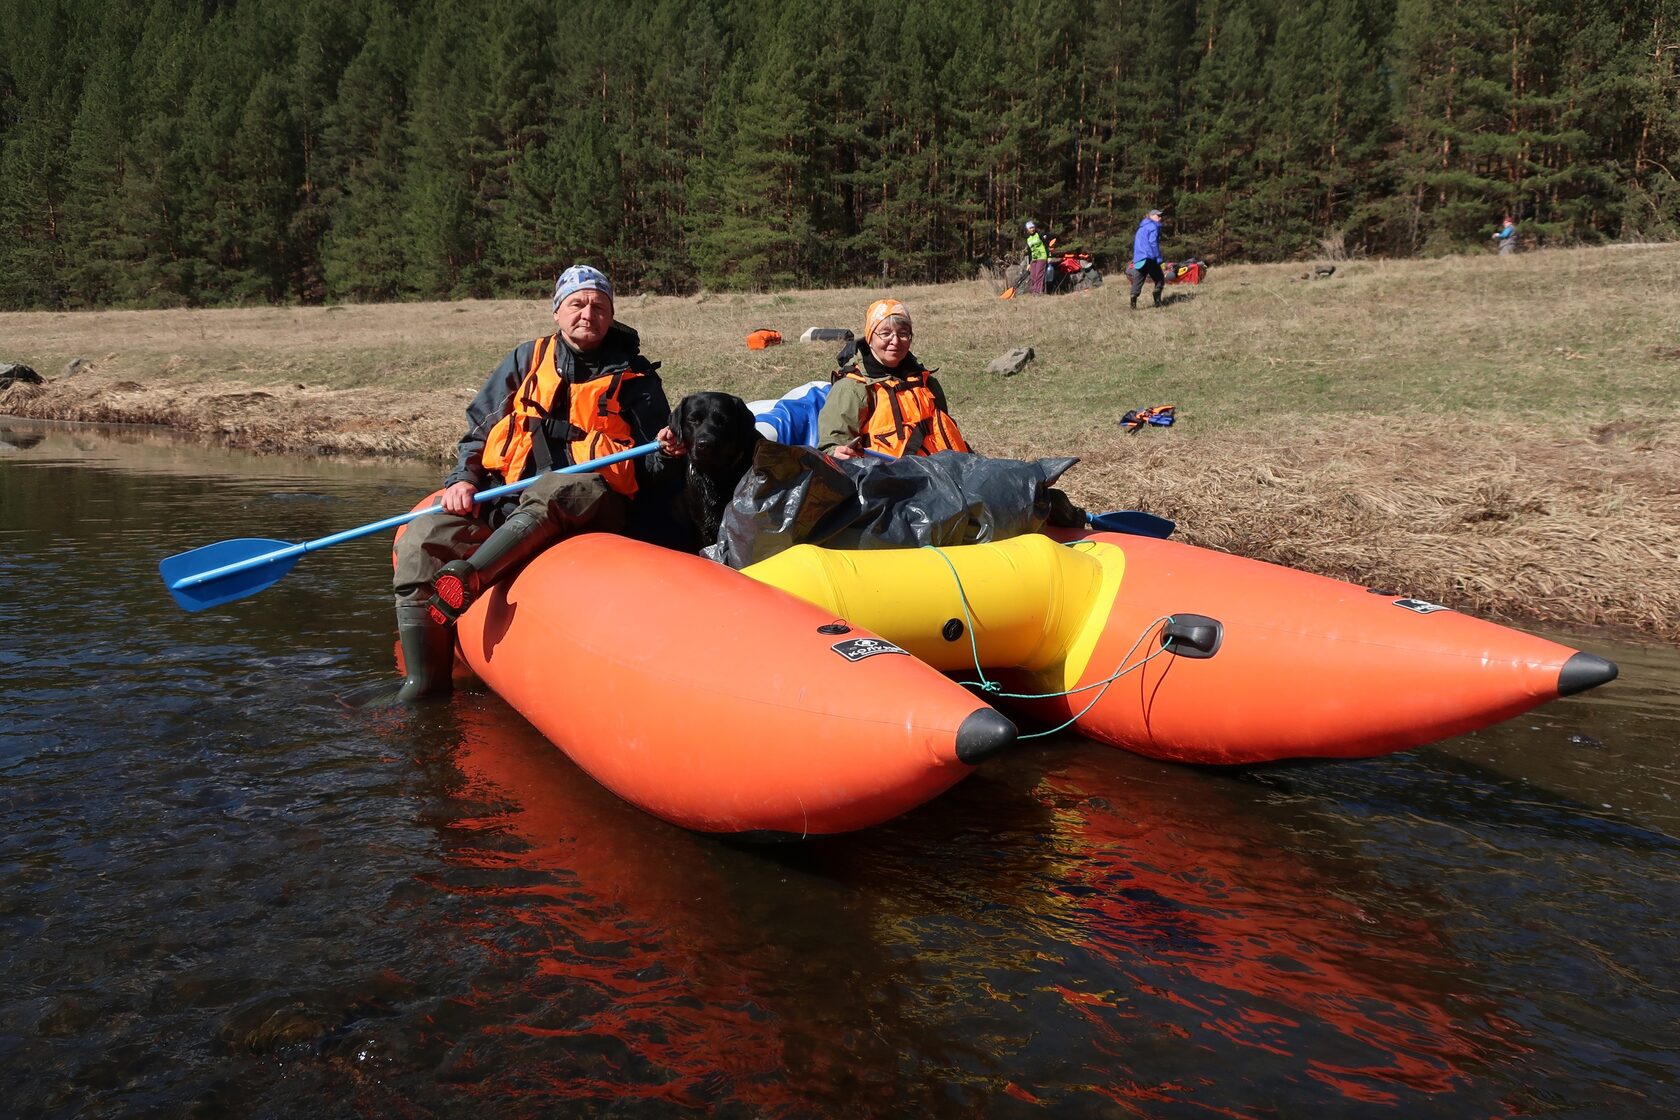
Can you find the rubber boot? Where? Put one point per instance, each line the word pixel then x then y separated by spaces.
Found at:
pixel 460 582
pixel 428 652
pixel 1157 299
pixel 1134 303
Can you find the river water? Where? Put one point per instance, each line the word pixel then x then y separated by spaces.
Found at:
pixel 229 886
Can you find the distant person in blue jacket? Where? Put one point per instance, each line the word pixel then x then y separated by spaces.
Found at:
pixel 1507 236
pixel 1146 257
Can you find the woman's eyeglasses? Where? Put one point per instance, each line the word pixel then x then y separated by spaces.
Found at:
pixel 892 336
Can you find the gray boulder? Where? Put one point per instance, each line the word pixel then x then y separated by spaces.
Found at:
pixel 1011 363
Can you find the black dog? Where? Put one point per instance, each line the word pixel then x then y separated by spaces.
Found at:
pixel 719 432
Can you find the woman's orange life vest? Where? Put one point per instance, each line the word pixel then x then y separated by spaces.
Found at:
pixel 596 423
pixel 903 417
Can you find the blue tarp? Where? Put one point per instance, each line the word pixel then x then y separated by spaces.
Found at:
pixel 792 419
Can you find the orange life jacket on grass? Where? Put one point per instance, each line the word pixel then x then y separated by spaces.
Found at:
pixel 903 417
pixel 596 423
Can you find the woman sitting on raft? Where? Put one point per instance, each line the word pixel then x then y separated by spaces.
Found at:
pixel 887 403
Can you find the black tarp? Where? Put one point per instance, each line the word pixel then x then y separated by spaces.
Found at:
pixel 796 495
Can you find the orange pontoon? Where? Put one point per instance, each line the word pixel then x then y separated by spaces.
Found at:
pixel 715 702
pixel 1187 654
pixel 806 695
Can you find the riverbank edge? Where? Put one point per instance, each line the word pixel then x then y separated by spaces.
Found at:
pixel 1500 519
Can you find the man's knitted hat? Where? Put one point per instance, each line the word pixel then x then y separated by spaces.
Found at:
pixel 578 278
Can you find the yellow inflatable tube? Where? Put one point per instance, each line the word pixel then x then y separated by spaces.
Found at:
pixel 1034 604
pixel 1204 657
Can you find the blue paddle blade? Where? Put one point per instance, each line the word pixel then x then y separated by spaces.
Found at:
pixel 229 570
pixel 1135 522
pixel 257 563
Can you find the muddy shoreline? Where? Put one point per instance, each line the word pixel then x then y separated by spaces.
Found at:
pixel 1512 521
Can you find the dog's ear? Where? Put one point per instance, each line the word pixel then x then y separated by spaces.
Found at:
pixel 744 415
pixel 678 417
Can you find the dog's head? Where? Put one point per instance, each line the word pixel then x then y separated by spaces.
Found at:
pixel 719 432
pixel 721 437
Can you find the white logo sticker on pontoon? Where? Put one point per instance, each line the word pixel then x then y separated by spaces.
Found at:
pixel 856 649
pixel 1421 606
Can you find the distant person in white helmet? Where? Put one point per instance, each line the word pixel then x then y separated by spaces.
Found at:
pixel 1038 253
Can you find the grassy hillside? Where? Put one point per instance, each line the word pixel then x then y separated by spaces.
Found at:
pixel 1498 434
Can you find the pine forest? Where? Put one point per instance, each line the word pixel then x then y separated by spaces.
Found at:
pixel 160 153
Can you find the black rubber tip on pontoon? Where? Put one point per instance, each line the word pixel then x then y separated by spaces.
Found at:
pixel 1584 671
pixel 983 733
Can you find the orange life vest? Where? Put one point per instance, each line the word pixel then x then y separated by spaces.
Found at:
pixel 902 417
pixel 596 423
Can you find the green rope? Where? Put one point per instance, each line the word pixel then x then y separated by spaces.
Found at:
pixel 1102 686
pixel 968 618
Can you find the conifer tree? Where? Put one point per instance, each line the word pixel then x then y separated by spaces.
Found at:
pixel 1035 151
pixel 522 96
pixel 1356 108
pixel 362 246
pixel 1145 150
pixel 659 155
pixel 1452 99
pixel 97 246
pixel 974 108
pixel 1222 132
pixel 1109 46
pixel 328 35
pixel 264 168
pixel 1291 145
pixel 752 198
pixel 446 157
pixel 41 54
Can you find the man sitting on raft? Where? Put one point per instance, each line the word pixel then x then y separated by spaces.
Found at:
pixel 610 399
pixel 891 405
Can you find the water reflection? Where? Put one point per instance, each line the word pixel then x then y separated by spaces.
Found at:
pixel 1265 937
pixel 1114 918
pixel 19 439
pixel 620 967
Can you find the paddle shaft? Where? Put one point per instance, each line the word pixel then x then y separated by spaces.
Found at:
pixel 400 519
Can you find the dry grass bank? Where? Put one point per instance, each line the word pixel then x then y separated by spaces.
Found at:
pixel 1501 435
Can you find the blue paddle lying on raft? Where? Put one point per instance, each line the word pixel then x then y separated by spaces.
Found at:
pixel 228 570
pixel 1133 521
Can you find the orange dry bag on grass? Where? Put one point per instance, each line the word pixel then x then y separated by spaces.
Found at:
pixel 763 337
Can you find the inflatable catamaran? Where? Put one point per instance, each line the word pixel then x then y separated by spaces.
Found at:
pixel 818 691
pixel 823 690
